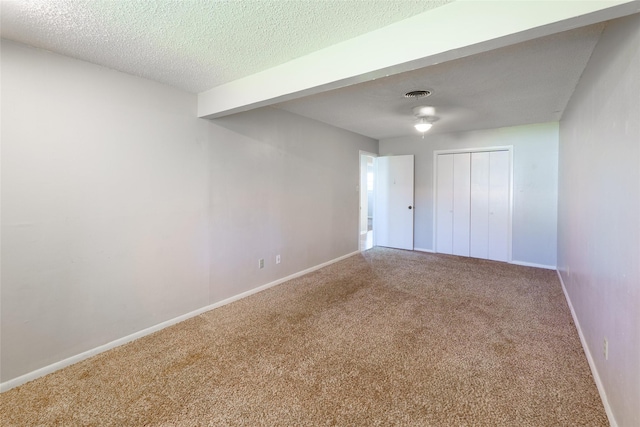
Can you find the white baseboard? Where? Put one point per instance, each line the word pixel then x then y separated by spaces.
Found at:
pixel 533 264
pixel 431 251
pixel 592 365
pixel 15 382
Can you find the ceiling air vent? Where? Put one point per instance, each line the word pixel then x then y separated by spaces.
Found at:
pixel 417 94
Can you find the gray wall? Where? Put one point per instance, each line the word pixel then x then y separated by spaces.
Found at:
pixel 535 174
pixel 599 212
pixel 104 207
pixel 121 209
pixel 280 184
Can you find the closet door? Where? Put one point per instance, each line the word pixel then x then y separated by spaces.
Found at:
pixel 479 240
pixel 444 203
pixel 499 177
pixel 461 203
pixel 472 204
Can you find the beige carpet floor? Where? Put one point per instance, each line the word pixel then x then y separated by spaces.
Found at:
pixel 386 338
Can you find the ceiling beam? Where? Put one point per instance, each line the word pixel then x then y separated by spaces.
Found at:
pixel 452 31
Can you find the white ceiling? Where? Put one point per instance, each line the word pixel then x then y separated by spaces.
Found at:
pixel 524 83
pixel 204 45
pixel 196 44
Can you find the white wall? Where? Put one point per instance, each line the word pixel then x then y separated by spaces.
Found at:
pixel 280 184
pixel 599 213
pixel 535 158
pixel 104 206
pixel 121 210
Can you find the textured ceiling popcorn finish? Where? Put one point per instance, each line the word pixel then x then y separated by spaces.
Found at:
pixel 347 63
pixel 196 45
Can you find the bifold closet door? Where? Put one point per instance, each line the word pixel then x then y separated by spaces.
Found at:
pixel 479 236
pixel 444 203
pixel 453 204
pixel 461 203
pixel 499 177
pixel 489 221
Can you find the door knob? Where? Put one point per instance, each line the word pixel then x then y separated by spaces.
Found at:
pixel 410 207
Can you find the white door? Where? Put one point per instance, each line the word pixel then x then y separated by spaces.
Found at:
pixel 444 204
pixel 490 205
pixel 472 204
pixel 499 205
pixel 452 203
pixel 461 203
pixel 479 242
pixel 394 202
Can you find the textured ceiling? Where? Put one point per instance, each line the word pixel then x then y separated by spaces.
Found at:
pixel 196 44
pixel 525 83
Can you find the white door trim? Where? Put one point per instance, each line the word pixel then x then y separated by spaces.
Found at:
pixel 359 186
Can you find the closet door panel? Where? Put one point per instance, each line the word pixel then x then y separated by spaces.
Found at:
pixel 479 236
pixel 461 203
pixel 444 204
pixel 499 205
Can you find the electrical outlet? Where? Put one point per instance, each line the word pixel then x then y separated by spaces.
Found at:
pixel 277 259
pixel 261 263
pixel 605 349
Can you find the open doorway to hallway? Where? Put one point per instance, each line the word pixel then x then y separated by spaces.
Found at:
pixel 367 199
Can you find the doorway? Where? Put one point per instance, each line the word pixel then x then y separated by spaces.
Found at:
pixel 367 200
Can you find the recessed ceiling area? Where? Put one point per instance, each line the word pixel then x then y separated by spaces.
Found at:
pixel 196 45
pixel 524 83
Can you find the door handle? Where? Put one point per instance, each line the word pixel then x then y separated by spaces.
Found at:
pixel 410 207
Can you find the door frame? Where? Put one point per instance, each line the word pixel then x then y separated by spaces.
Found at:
pixel 508 148
pixel 362 153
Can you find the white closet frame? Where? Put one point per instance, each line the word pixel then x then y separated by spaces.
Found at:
pixel 508 148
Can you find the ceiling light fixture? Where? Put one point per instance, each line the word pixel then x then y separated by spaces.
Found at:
pixel 425 118
pixel 422 125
